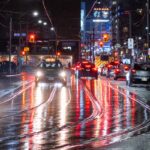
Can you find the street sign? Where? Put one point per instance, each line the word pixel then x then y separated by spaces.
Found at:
pixel 132 52
pixel 130 43
pixel 117 45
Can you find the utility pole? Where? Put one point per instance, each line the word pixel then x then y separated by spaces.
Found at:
pixel 93 44
pixel 117 24
pixel 10 44
pixel 148 12
pixel 56 46
pixel 130 24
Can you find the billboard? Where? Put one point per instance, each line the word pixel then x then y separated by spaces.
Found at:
pixel 101 14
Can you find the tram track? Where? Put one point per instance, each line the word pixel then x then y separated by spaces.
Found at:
pixel 97 113
pixel 124 132
pixel 49 100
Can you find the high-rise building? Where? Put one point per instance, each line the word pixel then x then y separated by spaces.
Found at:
pixel 95 28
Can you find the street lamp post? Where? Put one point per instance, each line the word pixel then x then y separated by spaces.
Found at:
pixel 10 43
pixel 56 41
pixel 130 24
pixel 148 12
pixel 93 44
pixel 34 14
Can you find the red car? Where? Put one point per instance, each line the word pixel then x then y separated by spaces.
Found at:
pixel 86 69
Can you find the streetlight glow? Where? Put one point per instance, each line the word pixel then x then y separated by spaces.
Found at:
pixel 40 21
pixel 44 23
pixel 35 13
pixel 52 28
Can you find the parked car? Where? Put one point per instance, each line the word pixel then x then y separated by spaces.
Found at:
pixel 86 69
pixel 50 72
pixel 139 73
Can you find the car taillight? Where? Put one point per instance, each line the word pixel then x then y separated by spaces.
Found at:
pixel 77 66
pixel 95 69
pixel 116 62
pixel 85 62
pixel 81 68
pixel 109 66
pixel 126 68
pixel 87 66
pixel 133 71
pixel 117 71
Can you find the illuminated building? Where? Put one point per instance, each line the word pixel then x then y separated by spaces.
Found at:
pixel 95 23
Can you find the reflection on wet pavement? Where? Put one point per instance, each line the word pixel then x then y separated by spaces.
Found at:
pixel 86 115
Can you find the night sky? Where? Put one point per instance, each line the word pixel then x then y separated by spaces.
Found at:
pixel 65 14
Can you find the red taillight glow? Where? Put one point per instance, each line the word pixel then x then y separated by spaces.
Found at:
pixel 77 66
pixel 85 62
pixel 116 62
pixel 95 69
pixel 133 71
pixel 87 66
pixel 117 70
pixel 109 66
pixel 81 68
pixel 126 68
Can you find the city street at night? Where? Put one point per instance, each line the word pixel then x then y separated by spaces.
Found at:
pixel 86 114
pixel 74 75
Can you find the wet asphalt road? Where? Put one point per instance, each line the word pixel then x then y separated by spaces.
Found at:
pixel 86 114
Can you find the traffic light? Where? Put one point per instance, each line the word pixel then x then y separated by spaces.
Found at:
pixel 105 37
pixel 32 38
pixel 101 44
pixel 58 53
pixel 23 53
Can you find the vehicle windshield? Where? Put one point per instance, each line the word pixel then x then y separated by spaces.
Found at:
pixel 144 67
pixel 51 65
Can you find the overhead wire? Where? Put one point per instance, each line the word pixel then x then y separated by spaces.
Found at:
pixel 139 22
pixel 48 16
pixel 3 25
pixel 91 8
pixel 4 5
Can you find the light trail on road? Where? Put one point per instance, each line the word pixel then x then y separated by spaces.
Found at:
pixel 87 114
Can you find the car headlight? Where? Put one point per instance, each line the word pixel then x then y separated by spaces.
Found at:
pixel 62 74
pixel 39 73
